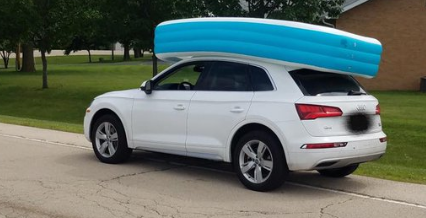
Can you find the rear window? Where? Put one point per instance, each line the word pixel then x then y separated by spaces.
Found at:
pixel 317 83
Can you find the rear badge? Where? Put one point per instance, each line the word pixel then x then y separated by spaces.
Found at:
pixel 361 108
pixel 358 123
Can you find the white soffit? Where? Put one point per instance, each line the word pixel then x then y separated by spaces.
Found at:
pixel 349 4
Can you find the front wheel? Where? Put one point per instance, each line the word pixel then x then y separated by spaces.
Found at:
pixel 339 172
pixel 259 161
pixel 109 140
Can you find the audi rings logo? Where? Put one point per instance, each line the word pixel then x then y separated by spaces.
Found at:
pixel 361 108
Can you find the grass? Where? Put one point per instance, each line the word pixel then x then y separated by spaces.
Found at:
pixel 84 59
pixel 45 124
pixel 404 121
pixel 74 83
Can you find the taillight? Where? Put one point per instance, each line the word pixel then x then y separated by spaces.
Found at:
pixel 311 112
pixel 324 145
pixel 378 110
pixel 384 139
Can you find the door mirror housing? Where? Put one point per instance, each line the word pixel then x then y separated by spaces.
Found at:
pixel 147 87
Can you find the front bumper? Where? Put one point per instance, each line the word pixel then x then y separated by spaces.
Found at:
pixel 87 122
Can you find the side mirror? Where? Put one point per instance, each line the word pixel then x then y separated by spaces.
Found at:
pixel 147 87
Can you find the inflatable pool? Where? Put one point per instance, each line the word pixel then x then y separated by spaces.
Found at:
pixel 290 43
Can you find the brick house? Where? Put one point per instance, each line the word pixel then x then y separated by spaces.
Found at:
pixel 400 25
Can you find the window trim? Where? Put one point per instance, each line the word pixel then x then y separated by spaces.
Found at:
pixel 230 62
pixel 159 77
pixel 305 91
pixel 170 71
pixel 274 87
pixel 267 74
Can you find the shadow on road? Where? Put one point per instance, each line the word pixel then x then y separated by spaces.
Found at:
pixel 187 168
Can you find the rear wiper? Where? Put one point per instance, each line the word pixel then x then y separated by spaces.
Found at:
pixel 352 92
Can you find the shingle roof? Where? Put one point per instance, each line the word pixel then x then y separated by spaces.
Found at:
pixel 349 4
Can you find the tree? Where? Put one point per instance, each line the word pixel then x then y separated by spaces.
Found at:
pixel 140 46
pixel 122 22
pixel 309 11
pixel 218 8
pixel 6 48
pixel 28 64
pixel 84 42
pixel 15 21
pixel 132 22
pixel 90 34
pixel 155 12
pixel 53 23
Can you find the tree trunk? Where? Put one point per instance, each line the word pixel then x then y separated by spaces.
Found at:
pixel 154 65
pixel 137 52
pixel 27 58
pixel 112 51
pixel 90 56
pixel 5 56
pixel 44 61
pixel 126 56
pixel 18 57
pixel 142 52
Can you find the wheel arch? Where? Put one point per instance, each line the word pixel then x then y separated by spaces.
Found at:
pixel 251 126
pixel 104 111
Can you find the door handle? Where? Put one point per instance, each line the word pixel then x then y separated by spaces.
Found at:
pixel 237 109
pixel 179 107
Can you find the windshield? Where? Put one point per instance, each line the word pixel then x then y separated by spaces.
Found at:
pixel 317 83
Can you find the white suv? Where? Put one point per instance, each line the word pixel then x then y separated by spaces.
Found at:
pixel 267 119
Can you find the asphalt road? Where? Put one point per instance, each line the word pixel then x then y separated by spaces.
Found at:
pixel 54 174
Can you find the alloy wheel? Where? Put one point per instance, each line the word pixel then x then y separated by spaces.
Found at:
pixel 256 161
pixel 106 139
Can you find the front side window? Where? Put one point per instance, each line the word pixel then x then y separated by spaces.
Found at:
pixel 184 77
pixel 227 76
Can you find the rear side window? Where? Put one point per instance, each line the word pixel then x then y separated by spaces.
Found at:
pixel 227 76
pixel 260 79
pixel 317 83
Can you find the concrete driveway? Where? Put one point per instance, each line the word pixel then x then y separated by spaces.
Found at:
pixel 47 173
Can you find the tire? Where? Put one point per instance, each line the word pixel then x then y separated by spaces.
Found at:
pixel 110 148
pixel 259 161
pixel 339 172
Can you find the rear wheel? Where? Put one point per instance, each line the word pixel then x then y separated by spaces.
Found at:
pixel 259 161
pixel 339 172
pixel 109 140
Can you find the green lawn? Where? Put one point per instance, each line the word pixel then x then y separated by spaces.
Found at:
pixel 404 121
pixel 74 83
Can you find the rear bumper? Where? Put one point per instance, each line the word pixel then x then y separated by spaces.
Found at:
pixel 354 152
pixel 359 149
pixel 342 162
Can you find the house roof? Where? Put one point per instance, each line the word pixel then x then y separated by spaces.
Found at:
pixel 349 4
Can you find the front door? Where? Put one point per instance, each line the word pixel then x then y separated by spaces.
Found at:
pixel 159 120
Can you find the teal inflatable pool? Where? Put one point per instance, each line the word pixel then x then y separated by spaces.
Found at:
pixel 290 43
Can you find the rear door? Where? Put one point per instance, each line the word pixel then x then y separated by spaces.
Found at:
pixel 360 112
pixel 222 100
